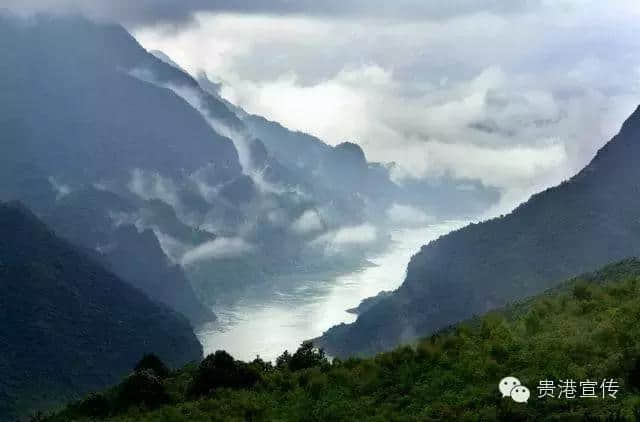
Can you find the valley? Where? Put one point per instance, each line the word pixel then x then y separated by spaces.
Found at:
pixel 227 229
pixel 300 307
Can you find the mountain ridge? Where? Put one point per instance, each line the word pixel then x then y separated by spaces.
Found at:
pixel 69 325
pixel 583 223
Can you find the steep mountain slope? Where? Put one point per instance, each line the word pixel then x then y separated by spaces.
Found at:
pixel 585 329
pixel 584 223
pixel 67 325
pixel 88 218
pixel 84 106
pixel 295 149
pixel 71 108
pixel 138 258
pixel 74 116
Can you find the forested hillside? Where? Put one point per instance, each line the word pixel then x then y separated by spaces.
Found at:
pixel 585 329
pixel 69 326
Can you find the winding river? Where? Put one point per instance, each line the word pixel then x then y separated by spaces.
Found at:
pixel 266 326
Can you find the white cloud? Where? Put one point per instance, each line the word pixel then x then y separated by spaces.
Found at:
pixel 348 236
pixel 194 98
pixel 172 247
pixel 151 185
pixel 308 222
pixel 277 217
pixel 407 215
pixel 515 100
pixel 219 248
pixel 61 189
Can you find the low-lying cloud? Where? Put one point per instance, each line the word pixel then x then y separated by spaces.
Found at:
pixel 195 99
pixel 60 189
pixel 309 222
pixel 219 248
pixel 406 215
pixel 151 185
pixel 346 238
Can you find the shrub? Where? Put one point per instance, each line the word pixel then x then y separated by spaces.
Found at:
pixel 307 357
pixel 581 292
pixel 221 370
pixel 95 405
pixel 142 388
pixel 153 363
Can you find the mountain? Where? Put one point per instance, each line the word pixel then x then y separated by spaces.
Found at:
pixel 68 325
pixel 86 107
pixel 75 116
pixel 345 168
pixel 584 329
pixel 331 173
pixel 586 222
pixel 88 218
pixel 68 98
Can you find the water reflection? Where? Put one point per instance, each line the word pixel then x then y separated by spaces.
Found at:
pixel 306 305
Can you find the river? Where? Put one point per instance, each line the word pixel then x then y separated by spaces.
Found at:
pixel 266 326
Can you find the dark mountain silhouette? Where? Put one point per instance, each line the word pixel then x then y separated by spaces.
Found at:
pixel 69 326
pixel 137 258
pixel 72 109
pixel 74 112
pixel 586 222
pixel 86 218
pixel 160 214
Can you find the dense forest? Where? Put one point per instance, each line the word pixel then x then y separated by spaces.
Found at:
pixel 585 329
pixel 70 326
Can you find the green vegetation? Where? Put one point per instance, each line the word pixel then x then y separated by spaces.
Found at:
pixel 588 328
pixel 69 326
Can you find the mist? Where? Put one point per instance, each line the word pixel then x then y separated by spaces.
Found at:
pixel 220 248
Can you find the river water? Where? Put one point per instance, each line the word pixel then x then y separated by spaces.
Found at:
pixel 309 304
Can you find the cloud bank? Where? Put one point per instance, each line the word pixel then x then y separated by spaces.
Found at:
pixel 308 222
pixel 406 215
pixel 219 248
pixel 345 239
pixel 518 95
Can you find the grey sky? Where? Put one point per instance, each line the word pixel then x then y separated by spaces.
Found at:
pixel 145 12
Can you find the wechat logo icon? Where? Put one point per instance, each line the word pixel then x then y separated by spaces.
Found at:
pixel 512 387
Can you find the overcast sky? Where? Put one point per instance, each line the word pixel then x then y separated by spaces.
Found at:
pixel 517 93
